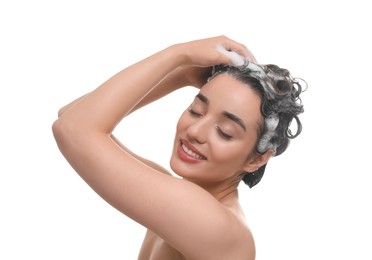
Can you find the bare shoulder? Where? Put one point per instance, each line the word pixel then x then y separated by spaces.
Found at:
pixel 237 236
pixel 228 238
pixel 234 241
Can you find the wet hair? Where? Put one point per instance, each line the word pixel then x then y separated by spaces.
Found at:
pixel 280 104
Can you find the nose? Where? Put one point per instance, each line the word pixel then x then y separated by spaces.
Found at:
pixel 198 131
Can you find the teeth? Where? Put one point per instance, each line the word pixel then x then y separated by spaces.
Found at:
pixel 191 153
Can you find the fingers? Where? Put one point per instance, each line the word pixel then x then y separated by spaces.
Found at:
pixel 235 58
pixel 215 50
pixel 236 51
pixel 250 56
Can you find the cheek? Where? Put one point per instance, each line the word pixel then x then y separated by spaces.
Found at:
pixel 230 152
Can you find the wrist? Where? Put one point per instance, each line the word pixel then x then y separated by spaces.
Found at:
pixel 179 55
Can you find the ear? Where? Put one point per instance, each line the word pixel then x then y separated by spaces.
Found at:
pixel 257 160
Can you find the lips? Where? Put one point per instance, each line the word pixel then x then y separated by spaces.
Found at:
pixel 189 152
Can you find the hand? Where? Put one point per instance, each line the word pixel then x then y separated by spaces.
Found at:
pixel 213 51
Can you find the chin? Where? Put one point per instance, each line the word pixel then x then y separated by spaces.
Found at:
pixel 176 168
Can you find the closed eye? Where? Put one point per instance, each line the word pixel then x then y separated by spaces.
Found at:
pixel 194 113
pixel 223 134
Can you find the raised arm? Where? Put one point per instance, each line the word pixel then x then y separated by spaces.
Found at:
pixel 181 77
pixel 160 202
pixel 178 78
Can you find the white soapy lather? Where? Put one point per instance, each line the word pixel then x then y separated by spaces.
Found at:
pixel 272 121
pixel 235 58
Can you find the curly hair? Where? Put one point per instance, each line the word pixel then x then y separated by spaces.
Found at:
pixel 280 104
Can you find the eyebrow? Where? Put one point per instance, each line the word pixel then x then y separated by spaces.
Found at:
pixel 229 115
pixel 235 119
pixel 203 98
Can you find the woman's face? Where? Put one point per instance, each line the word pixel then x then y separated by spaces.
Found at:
pixel 217 133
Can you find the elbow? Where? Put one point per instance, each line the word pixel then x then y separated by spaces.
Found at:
pixel 56 126
pixel 57 133
pixel 66 136
pixel 68 133
pixel 58 129
pixel 63 131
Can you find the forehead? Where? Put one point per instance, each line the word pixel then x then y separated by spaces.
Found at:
pixel 232 93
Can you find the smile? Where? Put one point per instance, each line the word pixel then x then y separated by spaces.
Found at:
pixel 191 152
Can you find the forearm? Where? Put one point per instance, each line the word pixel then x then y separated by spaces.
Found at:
pixel 173 81
pixel 104 107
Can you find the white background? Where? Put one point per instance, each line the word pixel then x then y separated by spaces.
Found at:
pixel 314 201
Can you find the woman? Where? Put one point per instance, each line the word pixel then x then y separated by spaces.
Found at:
pixel 239 119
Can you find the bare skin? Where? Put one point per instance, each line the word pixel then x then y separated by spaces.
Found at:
pixel 197 216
